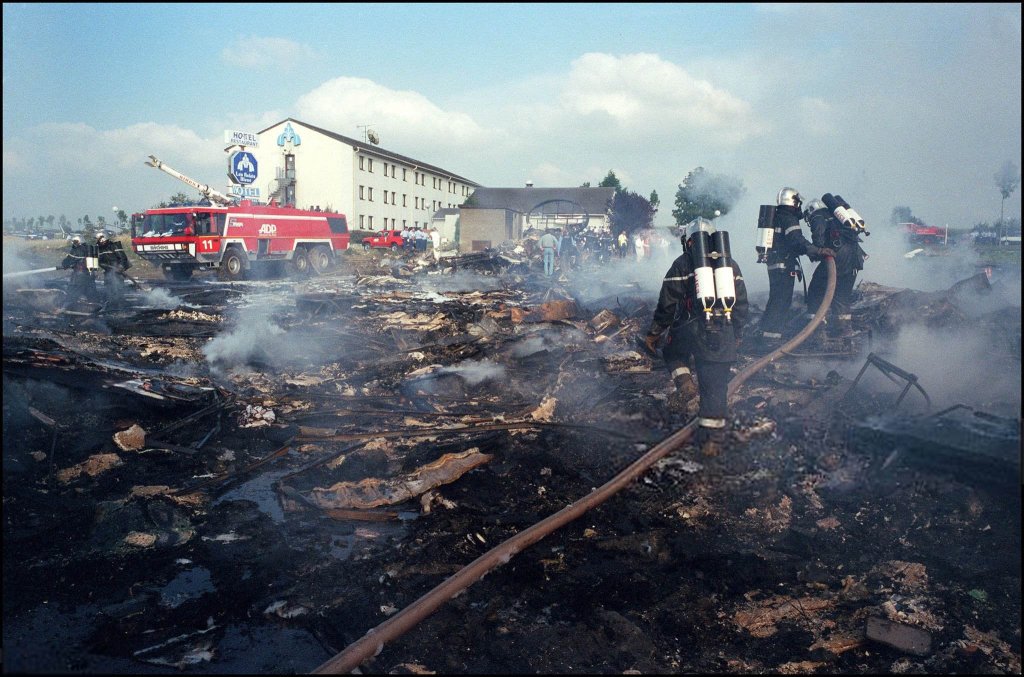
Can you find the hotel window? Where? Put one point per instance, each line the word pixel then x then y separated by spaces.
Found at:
pixel 403 175
pixel 369 222
pixel 369 164
pixel 369 193
pixel 361 158
pixel 361 193
pixel 405 199
pixel 392 176
pixel 361 222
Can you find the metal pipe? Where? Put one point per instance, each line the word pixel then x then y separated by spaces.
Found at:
pixel 372 643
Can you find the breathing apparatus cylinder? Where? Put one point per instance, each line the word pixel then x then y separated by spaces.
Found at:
pixel 765 232
pixel 92 258
pixel 703 273
pixel 856 221
pixel 725 280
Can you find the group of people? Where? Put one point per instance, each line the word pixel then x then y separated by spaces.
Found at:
pixel 416 239
pixel 700 330
pixel 84 261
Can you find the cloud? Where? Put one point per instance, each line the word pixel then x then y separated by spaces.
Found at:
pixel 265 53
pixel 401 117
pixel 641 91
pixel 74 168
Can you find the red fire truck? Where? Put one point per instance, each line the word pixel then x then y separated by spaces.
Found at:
pixel 234 238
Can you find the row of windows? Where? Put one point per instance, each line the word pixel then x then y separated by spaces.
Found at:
pixel 420 178
pixel 366 223
pixel 366 193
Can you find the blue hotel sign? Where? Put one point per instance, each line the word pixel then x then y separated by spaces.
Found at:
pixel 242 167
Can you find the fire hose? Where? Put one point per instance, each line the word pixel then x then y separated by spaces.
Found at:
pixel 372 643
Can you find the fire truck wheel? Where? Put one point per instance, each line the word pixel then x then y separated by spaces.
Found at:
pixel 233 266
pixel 394 247
pixel 366 247
pixel 320 259
pixel 300 262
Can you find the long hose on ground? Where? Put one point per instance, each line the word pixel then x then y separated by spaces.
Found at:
pixel 372 643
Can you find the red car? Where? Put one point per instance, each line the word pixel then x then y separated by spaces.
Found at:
pixel 385 238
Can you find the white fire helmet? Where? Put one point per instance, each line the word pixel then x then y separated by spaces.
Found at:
pixel 789 197
pixel 101 237
pixel 77 239
pixel 813 206
pixel 698 224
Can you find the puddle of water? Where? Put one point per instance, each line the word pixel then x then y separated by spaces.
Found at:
pixel 189 584
pixel 260 491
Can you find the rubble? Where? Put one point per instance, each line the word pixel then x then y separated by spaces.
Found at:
pixel 261 511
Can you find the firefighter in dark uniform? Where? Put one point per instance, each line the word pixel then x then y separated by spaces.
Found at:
pixel 709 337
pixel 828 232
pixel 114 262
pixel 82 284
pixel 783 264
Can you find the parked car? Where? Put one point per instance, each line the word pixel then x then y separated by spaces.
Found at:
pixel 391 239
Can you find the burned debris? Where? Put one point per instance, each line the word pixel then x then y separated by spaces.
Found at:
pixel 249 476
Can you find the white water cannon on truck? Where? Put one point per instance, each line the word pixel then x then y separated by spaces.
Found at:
pixel 210 194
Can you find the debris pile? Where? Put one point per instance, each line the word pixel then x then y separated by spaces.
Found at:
pixel 357 438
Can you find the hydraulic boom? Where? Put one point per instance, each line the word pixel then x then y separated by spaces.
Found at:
pixel 207 192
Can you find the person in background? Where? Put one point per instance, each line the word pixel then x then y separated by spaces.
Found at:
pixel 783 264
pixel 82 283
pixel 829 235
pixel 548 245
pixel 710 341
pixel 113 262
pixel 623 244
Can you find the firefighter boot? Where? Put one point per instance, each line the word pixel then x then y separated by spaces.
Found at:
pixel 685 393
pixel 711 440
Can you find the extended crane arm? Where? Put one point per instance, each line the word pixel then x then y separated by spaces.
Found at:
pixel 207 192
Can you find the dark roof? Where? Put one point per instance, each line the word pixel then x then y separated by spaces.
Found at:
pixel 444 212
pixel 377 150
pixel 593 200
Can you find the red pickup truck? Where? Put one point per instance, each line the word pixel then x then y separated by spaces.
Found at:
pixel 385 238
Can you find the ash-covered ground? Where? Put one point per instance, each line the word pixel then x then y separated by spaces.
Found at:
pixel 247 477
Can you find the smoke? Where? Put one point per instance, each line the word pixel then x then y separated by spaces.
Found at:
pixel 161 298
pixel 254 340
pixel 476 372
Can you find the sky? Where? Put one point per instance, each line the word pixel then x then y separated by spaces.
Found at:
pixel 889 105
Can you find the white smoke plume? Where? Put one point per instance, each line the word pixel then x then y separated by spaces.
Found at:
pixel 476 372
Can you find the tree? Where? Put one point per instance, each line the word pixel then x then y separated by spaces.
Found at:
pixel 654 200
pixel 904 215
pixel 586 184
pixel 611 181
pixel 1007 180
pixel 702 193
pixel 179 199
pixel 631 212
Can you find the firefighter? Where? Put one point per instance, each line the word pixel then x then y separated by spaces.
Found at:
pixel 82 283
pixel 828 232
pixel 783 263
pixel 114 262
pixel 704 317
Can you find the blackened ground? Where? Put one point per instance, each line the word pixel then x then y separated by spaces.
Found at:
pixel 769 558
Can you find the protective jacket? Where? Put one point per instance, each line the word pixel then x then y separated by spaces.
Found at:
pixel 827 231
pixel 790 241
pixel 680 310
pixel 112 257
pixel 75 260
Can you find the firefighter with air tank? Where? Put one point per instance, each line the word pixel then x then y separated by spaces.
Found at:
pixel 702 307
pixel 835 225
pixel 81 261
pixel 114 262
pixel 780 244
